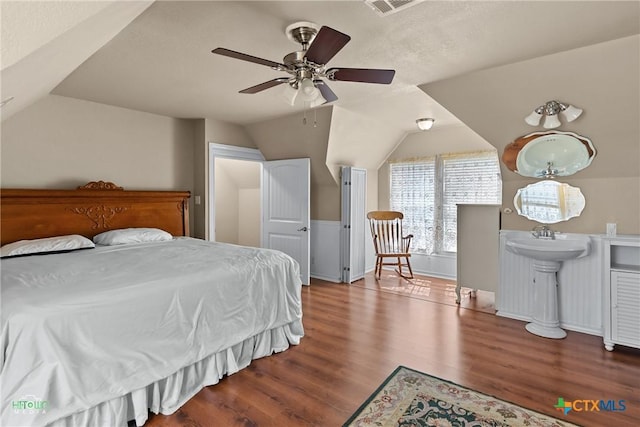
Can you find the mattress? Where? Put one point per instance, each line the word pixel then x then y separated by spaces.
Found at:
pixel 87 327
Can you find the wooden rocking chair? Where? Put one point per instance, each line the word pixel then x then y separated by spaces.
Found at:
pixel 389 241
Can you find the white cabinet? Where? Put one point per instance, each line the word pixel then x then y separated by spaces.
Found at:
pixel 622 292
pixel 478 247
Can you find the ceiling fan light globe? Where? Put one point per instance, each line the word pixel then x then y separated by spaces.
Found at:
pixel 290 94
pixel 308 90
pixel 318 101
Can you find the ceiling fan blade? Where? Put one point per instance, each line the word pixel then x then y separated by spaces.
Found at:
pixel 265 85
pixel 325 45
pixel 245 57
pixel 326 92
pixel 363 75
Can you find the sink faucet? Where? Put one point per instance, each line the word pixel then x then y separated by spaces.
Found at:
pixel 543 232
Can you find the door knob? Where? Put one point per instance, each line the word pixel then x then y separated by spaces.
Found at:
pixel 303 229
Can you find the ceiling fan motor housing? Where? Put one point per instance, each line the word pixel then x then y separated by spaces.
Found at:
pixel 298 66
pixel 302 32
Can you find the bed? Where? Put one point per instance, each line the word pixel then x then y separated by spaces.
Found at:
pixel 103 335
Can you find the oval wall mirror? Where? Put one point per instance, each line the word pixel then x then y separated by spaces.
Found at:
pixel 548 154
pixel 549 202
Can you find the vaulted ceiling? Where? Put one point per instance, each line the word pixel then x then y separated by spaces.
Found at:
pixel 156 56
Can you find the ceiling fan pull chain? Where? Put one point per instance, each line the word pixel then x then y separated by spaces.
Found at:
pixel 315 118
pixel 304 117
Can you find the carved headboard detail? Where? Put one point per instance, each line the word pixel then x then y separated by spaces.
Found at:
pixel 99 185
pixel 101 215
pixel 89 210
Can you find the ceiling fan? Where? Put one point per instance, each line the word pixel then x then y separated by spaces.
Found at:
pixel 307 66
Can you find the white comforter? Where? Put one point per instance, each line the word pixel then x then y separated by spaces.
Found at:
pixel 84 327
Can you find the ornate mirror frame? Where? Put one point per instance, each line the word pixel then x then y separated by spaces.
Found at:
pixel 548 154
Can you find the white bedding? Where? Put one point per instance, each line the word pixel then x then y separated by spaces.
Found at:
pixel 87 327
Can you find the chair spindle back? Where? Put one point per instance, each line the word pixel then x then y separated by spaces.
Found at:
pixel 386 231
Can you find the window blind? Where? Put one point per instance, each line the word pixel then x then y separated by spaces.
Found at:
pixel 472 180
pixel 427 192
pixel 412 186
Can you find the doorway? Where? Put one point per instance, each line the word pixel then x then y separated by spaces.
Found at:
pixel 224 201
pixel 282 208
pixel 237 201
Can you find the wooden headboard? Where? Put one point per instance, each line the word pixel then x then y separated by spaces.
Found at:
pixel 89 210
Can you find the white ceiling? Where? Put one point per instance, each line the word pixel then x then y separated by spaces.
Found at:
pixel 244 174
pixel 42 21
pixel 162 62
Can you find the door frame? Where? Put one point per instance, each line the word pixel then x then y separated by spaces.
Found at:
pixel 227 152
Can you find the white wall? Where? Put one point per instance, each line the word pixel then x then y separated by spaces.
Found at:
pixel 63 142
pixel 237 201
pixel 226 204
pixel 324 239
pixel 289 137
pixel 211 130
pixel 249 216
pixel 448 139
pixel 602 79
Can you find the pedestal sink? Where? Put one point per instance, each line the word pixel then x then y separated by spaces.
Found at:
pixel 548 255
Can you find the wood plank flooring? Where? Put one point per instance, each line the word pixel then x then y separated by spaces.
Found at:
pixel 355 336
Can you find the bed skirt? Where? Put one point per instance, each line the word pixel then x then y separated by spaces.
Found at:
pixel 167 395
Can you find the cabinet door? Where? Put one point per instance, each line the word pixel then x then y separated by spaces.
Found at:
pixel 625 308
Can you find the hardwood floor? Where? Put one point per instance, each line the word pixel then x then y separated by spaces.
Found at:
pixel 441 291
pixel 355 336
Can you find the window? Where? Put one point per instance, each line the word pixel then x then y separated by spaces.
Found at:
pixel 428 190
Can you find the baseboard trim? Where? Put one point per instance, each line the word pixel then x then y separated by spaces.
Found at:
pixel 326 278
pixel 421 273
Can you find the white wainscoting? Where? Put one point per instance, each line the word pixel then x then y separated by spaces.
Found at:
pixel 436 265
pixel 326 264
pixel 325 250
pixel 369 250
pixel 579 287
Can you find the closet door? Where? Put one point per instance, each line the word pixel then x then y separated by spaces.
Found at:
pixel 353 223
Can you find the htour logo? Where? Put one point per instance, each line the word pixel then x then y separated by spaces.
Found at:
pixel 29 404
pixel 590 405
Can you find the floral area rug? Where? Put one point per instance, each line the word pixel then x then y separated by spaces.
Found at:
pixel 411 398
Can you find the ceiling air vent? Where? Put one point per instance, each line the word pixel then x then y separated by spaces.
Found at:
pixel 387 7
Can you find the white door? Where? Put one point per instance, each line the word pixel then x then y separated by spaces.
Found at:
pixel 285 210
pixel 353 221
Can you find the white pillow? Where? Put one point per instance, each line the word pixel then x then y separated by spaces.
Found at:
pixel 46 245
pixel 132 235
